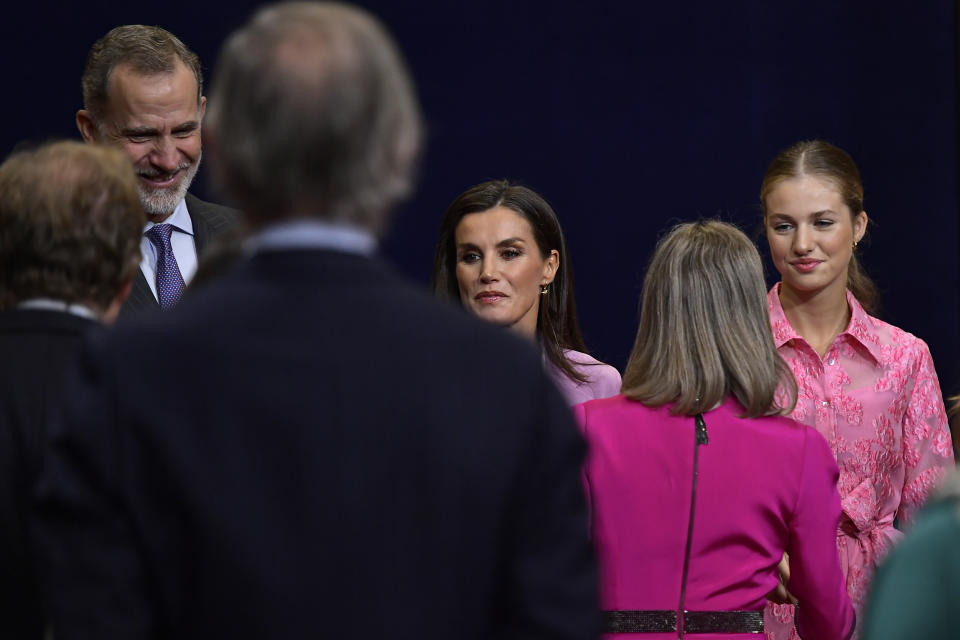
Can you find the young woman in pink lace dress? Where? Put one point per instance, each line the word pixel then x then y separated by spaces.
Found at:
pixel 868 387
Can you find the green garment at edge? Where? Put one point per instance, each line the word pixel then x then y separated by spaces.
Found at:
pixel 916 590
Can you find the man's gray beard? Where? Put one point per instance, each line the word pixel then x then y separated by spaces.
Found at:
pixel 162 202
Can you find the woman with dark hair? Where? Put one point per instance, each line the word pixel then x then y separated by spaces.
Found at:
pixel 868 387
pixel 696 483
pixel 502 256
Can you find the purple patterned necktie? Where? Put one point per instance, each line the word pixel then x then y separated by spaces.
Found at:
pixel 169 281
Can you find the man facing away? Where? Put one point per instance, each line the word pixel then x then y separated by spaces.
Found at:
pixel 342 455
pixel 142 92
pixel 70 226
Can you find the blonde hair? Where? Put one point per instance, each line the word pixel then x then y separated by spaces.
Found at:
pixel 704 327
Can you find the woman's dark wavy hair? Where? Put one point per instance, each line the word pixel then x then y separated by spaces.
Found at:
pixel 557 326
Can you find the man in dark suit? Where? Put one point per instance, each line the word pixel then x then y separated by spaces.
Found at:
pixel 143 93
pixel 70 226
pixel 342 455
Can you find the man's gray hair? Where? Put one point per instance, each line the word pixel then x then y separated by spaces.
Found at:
pixel 149 50
pixel 313 113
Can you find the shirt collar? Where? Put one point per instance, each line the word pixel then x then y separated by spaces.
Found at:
pixel 860 329
pixel 312 233
pixel 180 219
pixel 52 304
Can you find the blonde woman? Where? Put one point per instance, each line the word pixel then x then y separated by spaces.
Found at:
pixel 697 484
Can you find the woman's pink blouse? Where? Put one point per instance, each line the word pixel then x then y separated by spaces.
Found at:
pixel 875 397
pixel 603 380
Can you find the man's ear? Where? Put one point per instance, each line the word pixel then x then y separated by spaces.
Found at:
pixel 87 127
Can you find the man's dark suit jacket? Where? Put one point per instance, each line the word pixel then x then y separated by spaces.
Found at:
pixel 209 221
pixel 35 347
pixel 341 456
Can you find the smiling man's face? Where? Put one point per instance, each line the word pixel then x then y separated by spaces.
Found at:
pixel 156 120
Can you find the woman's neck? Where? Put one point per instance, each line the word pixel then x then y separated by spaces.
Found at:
pixel 818 316
pixel 526 327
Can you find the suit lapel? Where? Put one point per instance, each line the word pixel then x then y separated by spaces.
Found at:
pixel 141 298
pixel 210 221
pixel 201 226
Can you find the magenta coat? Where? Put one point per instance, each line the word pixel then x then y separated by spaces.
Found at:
pixel 765 486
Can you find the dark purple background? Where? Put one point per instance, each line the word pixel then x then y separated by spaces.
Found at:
pixel 628 117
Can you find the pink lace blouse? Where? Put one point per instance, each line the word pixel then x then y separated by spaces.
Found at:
pixel 875 397
pixel 603 380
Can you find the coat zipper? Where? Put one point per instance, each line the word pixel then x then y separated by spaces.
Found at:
pixel 700 437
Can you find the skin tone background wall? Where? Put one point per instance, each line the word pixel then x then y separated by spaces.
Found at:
pixel 627 117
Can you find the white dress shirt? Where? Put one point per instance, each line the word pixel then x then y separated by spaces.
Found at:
pixel 51 304
pixel 184 248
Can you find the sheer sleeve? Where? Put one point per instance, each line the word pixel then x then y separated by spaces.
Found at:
pixel 927 447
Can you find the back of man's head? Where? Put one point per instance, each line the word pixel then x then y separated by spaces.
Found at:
pixel 70 225
pixel 313 113
pixel 148 50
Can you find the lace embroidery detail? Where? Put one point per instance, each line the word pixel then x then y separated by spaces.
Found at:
pixel 876 399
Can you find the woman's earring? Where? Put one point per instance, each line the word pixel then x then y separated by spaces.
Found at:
pixel 854 245
pixel 543 289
